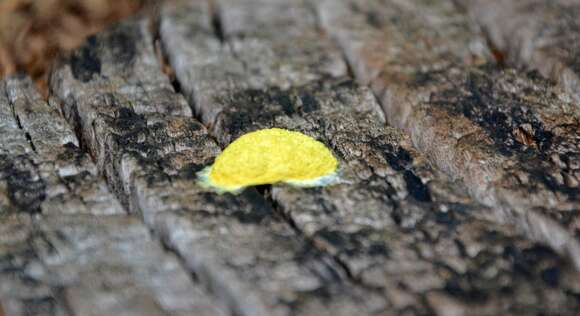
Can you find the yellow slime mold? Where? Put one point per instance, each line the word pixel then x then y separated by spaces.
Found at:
pixel 270 156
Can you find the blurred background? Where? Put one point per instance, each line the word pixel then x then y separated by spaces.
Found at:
pixel 33 32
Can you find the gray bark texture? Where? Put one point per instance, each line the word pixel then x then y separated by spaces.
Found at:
pixel 460 174
pixel 539 35
pixel 67 247
pixel 511 137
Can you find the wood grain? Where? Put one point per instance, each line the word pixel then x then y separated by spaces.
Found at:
pixel 66 244
pixel 460 175
pixel 501 131
pixel 365 224
pixel 535 35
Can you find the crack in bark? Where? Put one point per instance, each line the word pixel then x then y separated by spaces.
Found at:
pixel 341 264
pixel 265 191
pixel 17 119
pixel 216 21
pixel 74 120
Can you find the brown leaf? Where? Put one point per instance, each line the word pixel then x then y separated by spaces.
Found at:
pixel 32 33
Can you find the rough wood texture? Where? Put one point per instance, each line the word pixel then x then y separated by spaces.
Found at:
pixel 391 232
pixel 249 259
pixel 49 173
pixel 508 136
pixel 90 265
pixel 472 221
pixel 540 34
pixel 278 50
pixel 395 39
pixel 256 62
pixel 66 247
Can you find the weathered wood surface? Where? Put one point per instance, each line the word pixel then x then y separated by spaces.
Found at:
pixel 511 137
pixel 66 245
pixel 541 35
pixel 367 224
pixel 54 175
pixel 88 265
pixel 250 259
pixel 252 63
pixel 470 208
